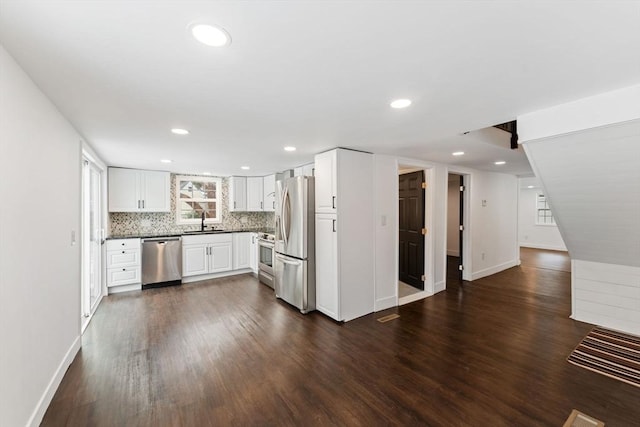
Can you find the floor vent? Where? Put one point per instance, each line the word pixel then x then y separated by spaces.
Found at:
pixel 578 419
pixel 388 317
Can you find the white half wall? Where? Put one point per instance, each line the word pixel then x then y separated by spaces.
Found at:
pixel 530 234
pixel 606 294
pixel 40 187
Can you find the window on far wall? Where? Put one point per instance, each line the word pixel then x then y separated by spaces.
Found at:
pixel 543 212
pixel 196 195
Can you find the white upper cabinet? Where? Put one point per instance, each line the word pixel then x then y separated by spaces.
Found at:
pixel 305 170
pixel 255 199
pixel 134 190
pixel 326 181
pixel 269 193
pixel 237 193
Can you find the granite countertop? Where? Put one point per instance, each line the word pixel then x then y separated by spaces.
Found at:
pixel 189 233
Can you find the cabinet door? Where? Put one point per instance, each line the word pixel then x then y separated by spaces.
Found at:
pixel 241 250
pixel 237 193
pixel 155 193
pixel 253 252
pixel 269 196
pixel 195 259
pixel 254 193
pixel 221 257
pixel 326 182
pixel 327 285
pixel 123 190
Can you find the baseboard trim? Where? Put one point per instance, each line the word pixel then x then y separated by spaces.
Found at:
pixel 546 247
pixel 52 387
pixel 493 270
pixel 385 303
pixel 202 277
pixel 439 287
pixel 125 288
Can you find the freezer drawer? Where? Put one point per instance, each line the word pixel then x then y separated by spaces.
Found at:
pixel 294 284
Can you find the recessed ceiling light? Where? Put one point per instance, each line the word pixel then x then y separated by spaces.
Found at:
pixel 166 161
pixel 529 186
pixel 289 148
pixel 458 153
pixel 400 103
pixel 206 173
pixel 211 35
pixel 179 131
pixel 501 162
pixel 246 168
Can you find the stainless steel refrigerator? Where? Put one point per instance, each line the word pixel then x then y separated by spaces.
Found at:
pixel 294 263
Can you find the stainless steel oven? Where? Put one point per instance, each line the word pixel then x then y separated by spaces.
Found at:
pixel 265 259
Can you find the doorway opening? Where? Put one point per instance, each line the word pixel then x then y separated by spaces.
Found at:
pixel 455 227
pixel 414 283
pixel 92 239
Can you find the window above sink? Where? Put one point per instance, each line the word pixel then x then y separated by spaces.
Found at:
pixel 197 195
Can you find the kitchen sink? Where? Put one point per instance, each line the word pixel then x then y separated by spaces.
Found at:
pixel 205 232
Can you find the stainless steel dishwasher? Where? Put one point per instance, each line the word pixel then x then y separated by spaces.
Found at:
pixel 161 262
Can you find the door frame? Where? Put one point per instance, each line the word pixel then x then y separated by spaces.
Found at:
pixel 87 155
pixel 429 255
pixel 466 220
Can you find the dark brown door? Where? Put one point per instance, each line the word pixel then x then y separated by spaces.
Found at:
pixel 411 229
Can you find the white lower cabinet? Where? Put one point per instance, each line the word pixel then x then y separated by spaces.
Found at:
pixel 206 254
pixel 123 263
pixel 241 250
pixel 327 297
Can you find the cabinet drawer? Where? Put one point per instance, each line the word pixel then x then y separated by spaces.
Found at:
pixel 116 244
pixel 123 258
pixel 123 276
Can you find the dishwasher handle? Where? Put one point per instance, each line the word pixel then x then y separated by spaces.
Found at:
pixel 161 240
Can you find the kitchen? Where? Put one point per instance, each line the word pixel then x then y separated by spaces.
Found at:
pixel 108 82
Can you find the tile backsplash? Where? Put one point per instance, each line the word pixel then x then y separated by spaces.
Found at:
pixel 123 223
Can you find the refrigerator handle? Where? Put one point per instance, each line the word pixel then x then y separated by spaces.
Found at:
pixel 286 260
pixel 283 215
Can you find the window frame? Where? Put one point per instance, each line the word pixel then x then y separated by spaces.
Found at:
pixel 217 200
pixel 544 207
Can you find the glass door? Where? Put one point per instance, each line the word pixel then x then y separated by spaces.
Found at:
pixel 91 239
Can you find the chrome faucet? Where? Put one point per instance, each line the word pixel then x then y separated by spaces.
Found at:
pixel 202 223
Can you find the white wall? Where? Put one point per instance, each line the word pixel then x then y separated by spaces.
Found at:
pixel 39 266
pixel 453 216
pixel 530 234
pixel 493 228
pixel 607 295
pixel 493 222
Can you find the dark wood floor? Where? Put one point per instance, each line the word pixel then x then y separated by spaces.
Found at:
pixel 225 352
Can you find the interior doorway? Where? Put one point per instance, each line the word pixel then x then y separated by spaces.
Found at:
pixel 92 239
pixel 411 229
pixel 455 226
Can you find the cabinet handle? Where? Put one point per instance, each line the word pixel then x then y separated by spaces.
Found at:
pixel 143 204
pixel 333 202
pixel 334 225
pixel 124 269
pixel 234 205
pixel 261 205
pixel 122 251
pixel 123 244
pixel 274 204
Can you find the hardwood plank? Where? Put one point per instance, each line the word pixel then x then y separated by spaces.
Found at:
pixel 226 352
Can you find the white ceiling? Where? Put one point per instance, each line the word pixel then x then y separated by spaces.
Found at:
pixel 316 75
